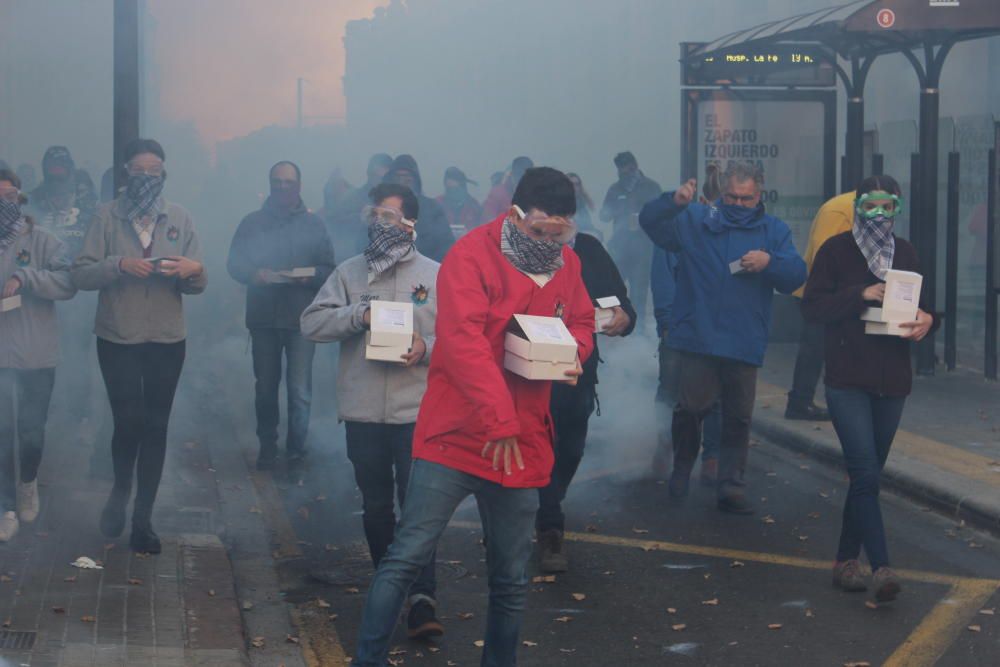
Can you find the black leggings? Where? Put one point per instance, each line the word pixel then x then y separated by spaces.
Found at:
pixel 141 380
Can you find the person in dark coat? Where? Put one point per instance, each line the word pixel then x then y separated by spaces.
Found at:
pixel 571 406
pixel 462 209
pixel 348 233
pixel 281 236
pixel 435 237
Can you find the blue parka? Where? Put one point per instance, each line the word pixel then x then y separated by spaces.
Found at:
pixel 715 312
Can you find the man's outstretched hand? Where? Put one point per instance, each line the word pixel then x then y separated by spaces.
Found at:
pixel 504 449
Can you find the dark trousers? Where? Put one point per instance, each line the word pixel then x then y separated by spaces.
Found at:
pixel 382 455
pixel 268 348
pixel 666 399
pixel 866 425
pixel 571 409
pixel 808 365
pixel 30 391
pixel 141 380
pixel 703 381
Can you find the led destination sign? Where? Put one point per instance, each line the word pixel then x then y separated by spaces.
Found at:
pixel 783 65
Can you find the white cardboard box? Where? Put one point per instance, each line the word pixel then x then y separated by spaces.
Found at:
pixel 885 328
pixel 902 296
pixel 539 348
pixel 10 303
pixel 537 370
pixel 391 324
pixel 391 353
pixel 604 312
pixel 300 272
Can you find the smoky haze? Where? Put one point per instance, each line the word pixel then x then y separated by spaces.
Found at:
pixel 471 83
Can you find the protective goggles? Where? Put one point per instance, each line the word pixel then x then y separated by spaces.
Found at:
pixel 541 227
pixel 384 215
pixel 889 206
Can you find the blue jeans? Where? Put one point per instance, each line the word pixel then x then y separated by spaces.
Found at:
pixel 268 345
pixel 433 494
pixel 866 425
pixel 382 455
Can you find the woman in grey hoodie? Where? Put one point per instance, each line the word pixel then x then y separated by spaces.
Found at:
pixel 142 253
pixel 33 274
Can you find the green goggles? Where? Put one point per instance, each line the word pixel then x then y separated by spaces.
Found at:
pixel 878 204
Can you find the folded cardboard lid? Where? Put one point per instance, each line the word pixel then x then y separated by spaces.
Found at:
pixel 542 338
pixel 607 302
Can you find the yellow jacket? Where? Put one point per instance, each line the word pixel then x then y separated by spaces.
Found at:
pixel 834 217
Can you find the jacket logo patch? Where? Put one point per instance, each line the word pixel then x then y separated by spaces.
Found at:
pixel 420 294
pixel 173 234
pixel 560 307
pixel 23 258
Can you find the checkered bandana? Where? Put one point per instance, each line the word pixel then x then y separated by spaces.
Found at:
pixel 142 205
pixel 11 223
pixel 387 244
pixel 876 242
pixel 527 254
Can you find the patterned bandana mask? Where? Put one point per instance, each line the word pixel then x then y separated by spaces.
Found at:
pixel 11 223
pixel 876 242
pixel 528 255
pixel 387 244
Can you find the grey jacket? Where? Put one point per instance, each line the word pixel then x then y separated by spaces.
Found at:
pixel 131 310
pixel 29 335
pixel 375 391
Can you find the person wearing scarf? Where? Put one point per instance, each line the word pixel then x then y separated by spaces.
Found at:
pixel 867 376
pixel 377 400
pixel 140 328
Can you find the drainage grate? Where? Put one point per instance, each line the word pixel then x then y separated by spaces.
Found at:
pixel 17 640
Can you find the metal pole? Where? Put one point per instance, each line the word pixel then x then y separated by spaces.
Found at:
pixel 126 82
pixel 951 263
pixel 990 358
pixel 927 249
pixel 854 144
pixel 298 98
pixel 878 164
pixel 915 208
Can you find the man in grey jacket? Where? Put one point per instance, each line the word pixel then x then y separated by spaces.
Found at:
pixel 281 236
pixel 378 400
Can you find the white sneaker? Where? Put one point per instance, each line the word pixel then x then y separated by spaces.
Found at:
pixel 27 501
pixel 8 526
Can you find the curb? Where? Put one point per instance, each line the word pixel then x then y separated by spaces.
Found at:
pixel 947 499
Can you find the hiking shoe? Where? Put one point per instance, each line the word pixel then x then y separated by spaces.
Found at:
pixel 421 623
pixel 551 558
pixel 709 472
pixel 808 412
pixel 735 503
pixel 8 526
pixel 849 576
pixel 27 501
pixel 886 584
pixel 113 515
pixel 143 539
pixel 679 484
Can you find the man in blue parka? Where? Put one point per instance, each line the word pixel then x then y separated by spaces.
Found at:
pixel 731 258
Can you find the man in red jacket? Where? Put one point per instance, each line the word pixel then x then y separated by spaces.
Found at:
pixel 481 430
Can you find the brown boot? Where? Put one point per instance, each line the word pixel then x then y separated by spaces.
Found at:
pixel 550 547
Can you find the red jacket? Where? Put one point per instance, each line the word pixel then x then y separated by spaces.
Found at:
pixel 470 398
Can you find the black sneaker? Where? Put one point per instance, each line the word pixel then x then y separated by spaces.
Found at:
pixel 551 558
pixel 143 539
pixel 807 412
pixel 421 623
pixel 113 515
pixel 735 503
pixel 679 484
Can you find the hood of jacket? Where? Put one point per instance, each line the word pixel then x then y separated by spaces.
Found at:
pixel 404 163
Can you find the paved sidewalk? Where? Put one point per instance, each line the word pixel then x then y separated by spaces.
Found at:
pixel 946 454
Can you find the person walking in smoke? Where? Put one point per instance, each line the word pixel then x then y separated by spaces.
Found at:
pixel 584 218
pixel 571 406
pixel 347 231
pixel 143 255
pixel 481 430
pixel 281 236
pixel 731 258
pixel 622 203
pixel 498 200
pixel 377 400
pixel 435 236
pixel 462 209
pixel 33 266
pixel 868 377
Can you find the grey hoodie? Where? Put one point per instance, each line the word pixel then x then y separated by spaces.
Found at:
pixel 29 335
pixel 131 310
pixel 375 391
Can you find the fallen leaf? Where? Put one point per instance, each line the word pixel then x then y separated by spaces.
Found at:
pixel 257 642
pixel 398 650
pixel 303 512
pixel 88 619
pixel 529 644
pixel 330 547
pixel 736 563
pixel 291 640
pixel 256 510
pixel 768 519
pixel 134 582
pixel 69 580
pixel 987 612
pixel 322 604
pixel 579 597
pixel 975 545
pixel 803 538
pixel 649 547
pixel 465 615
pixel 58 610
pixel 640 531
pixel 563 619
pixel 714 602
pixel 211 592
pixel 332 617
pixel 809 613
pixel 352 590
pixel 824 495
pixel 975 628
pixel 479 643
pixel 678 627
pixel 858 664
pixel 774 626
pixel 870 604
pixel 671 610
pixel 813 515
pixel 247 605
pixel 433 649
pixel 567 650
pixel 544 579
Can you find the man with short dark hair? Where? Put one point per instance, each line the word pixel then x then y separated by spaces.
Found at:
pixel 731 258
pixel 483 430
pixel 628 246
pixel 269 243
